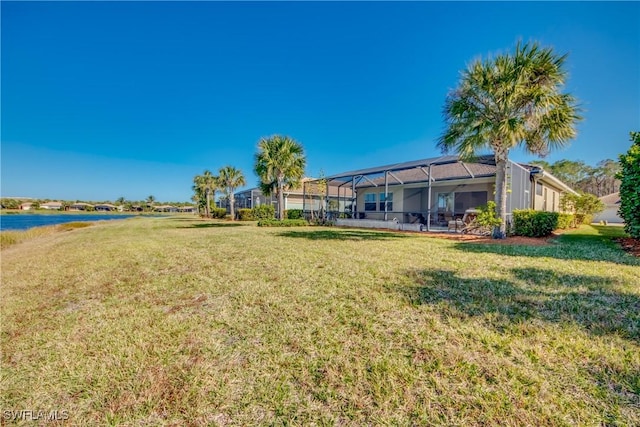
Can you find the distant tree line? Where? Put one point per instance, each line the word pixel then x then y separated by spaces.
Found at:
pixel 598 180
pixel 127 205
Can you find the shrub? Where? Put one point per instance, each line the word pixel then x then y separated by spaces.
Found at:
pixel 531 223
pixel 630 182
pixel 294 214
pixel 283 223
pixel 219 213
pixel 245 214
pixel 565 221
pixel 488 216
pixel 582 205
pixel 583 218
pixel 264 212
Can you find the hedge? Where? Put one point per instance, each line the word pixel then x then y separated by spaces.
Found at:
pixel 565 221
pixel 294 214
pixel 283 223
pixel 531 223
pixel 264 212
pixel 219 213
pixel 245 214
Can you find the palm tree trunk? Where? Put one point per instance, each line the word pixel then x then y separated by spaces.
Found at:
pixel 280 198
pixel 232 209
pixel 500 232
pixel 207 212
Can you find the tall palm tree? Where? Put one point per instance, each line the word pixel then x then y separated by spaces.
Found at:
pixel 280 162
pixel 206 184
pixel 509 101
pixel 229 179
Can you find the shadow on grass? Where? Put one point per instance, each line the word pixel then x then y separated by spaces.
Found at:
pixel 593 243
pixel 341 234
pixel 531 294
pixel 213 225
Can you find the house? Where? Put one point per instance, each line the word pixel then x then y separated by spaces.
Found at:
pixel 79 206
pixel 309 195
pixel 431 192
pixel 165 208
pixel 105 207
pixel 189 209
pixel 51 205
pixel 26 206
pixel 611 206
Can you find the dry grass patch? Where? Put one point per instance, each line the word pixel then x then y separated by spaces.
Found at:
pixel 163 322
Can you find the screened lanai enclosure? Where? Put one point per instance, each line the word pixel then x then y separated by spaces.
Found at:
pixel 421 195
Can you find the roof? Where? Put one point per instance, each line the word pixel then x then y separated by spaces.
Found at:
pixel 611 199
pixel 442 168
pixel 396 167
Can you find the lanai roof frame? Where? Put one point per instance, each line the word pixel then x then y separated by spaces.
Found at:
pixel 425 166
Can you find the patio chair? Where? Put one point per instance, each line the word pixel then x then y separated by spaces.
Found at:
pixel 455 224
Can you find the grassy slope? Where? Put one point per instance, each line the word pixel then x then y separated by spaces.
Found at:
pixel 178 321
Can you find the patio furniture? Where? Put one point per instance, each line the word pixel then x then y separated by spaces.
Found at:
pixel 455 224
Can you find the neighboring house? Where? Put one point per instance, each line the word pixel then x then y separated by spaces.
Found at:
pixel 165 208
pixel 26 206
pixel 297 198
pixel 51 206
pixel 105 207
pixel 80 206
pixel 437 190
pixel 189 209
pixel 611 206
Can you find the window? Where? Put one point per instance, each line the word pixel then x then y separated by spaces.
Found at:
pixel 370 202
pixel 445 201
pixel 389 201
pixel 538 189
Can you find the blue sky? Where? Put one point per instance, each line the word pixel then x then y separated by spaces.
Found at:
pixel 109 99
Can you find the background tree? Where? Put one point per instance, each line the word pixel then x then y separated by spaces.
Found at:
pixel 230 179
pixel 509 101
pixel 150 201
pixel 629 176
pixel 599 180
pixel 280 163
pixel 207 185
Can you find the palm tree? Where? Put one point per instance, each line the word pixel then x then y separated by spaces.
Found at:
pixel 280 162
pixel 150 201
pixel 231 178
pixel 206 184
pixel 509 101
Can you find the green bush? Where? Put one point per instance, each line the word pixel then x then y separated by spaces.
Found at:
pixel 219 213
pixel 264 212
pixel 283 223
pixel 565 221
pixel 629 176
pixel 487 216
pixel 294 214
pixel 582 218
pixel 531 223
pixel 245 214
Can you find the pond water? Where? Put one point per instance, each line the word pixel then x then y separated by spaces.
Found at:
pixel 26 221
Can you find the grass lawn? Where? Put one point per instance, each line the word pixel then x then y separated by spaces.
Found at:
pixel 180 321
